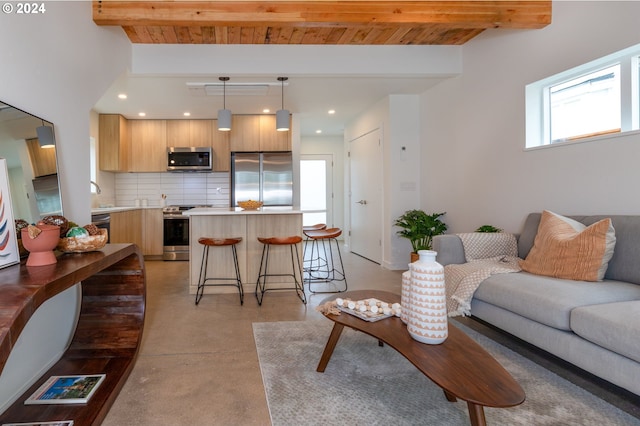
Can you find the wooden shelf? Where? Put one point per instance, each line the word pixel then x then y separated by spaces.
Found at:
pixel 108 333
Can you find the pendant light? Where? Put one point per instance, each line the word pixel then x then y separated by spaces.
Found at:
pixel 282 115
pixel 45 136
pixel 224 115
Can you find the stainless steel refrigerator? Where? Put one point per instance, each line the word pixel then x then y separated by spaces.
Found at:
pixel 262 176
pixel 47 195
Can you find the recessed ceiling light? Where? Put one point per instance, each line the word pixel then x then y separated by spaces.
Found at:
pixel 331 111
pixel 187 114
pixel 122 96
pixel 318 131
pixel 142 114
pixel 266 110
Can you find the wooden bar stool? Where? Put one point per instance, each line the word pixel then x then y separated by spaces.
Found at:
pixel 316 227
pixel 296 267
pixel 202 279
pixel 322 263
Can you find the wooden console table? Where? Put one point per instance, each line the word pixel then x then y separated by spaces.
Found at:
pixel 107 335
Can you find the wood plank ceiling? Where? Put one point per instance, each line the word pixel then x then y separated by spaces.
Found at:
pixel 356 22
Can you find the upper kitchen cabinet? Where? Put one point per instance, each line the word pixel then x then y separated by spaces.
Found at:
pixel 257 133
pixel 221 150
pixel 113 143
pixel 245 133
pixel 270 138
pixel 148 145
pixel 188 133
pixel 43 160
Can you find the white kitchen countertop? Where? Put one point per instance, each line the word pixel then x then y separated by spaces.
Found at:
pixel 220 211
pixel 101 210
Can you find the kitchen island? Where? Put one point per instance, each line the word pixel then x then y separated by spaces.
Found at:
pixel 248 224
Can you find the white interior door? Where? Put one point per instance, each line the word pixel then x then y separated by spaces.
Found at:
pixel 316 189
pixel 366 196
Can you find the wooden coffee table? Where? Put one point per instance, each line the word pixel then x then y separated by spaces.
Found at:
pixel 460 366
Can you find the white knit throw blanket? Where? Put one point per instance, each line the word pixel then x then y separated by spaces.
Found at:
pixel 486 254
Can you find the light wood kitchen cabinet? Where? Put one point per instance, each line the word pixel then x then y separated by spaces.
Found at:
pixel 188 133
pixel 245 133
pixel 257 133
pixel 43 160
pixel 148 145
pixel 270 138
pixel 152 244
pixel 200 132
pixel 221 149
pixel 126 227
pixel 113 143
pixel 178 133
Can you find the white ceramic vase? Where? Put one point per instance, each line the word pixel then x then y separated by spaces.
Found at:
pixel 405 295
pixel 427 313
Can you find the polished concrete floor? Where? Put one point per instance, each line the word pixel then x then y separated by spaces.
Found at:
pixel 198 364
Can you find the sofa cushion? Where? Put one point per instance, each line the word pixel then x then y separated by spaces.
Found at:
pixel 550 300
pixel 624 265
pixel 484 245
pixel 613 326
pixel 565 248
pixel 528 234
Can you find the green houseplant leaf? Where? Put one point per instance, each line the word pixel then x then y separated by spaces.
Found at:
pixel 488 228
pixel 420 228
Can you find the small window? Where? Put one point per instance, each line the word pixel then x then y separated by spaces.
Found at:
pixel 586 106
pixel 588 102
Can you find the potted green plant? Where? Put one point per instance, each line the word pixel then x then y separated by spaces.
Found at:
pixel 420 228
pixel 488 228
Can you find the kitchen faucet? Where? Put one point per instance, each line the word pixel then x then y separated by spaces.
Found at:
pixel 98 190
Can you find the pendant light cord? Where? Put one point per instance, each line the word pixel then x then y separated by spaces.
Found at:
pixel 224 91
pixel 282 80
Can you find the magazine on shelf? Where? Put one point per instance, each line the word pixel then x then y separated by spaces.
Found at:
pixel 66 389
pixel 55 423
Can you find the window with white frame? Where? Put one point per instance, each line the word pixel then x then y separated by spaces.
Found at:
pixel 588 102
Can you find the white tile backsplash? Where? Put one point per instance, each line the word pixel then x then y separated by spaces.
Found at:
pixel 180 188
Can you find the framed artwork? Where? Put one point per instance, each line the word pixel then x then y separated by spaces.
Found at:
pixel 9 254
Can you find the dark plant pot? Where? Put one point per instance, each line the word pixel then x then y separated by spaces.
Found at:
pixel 414 256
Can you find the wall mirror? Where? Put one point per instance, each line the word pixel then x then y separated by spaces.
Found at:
pixel 27 143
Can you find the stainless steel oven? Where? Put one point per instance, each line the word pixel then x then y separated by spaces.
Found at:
pixel 102 220
pixel 175 236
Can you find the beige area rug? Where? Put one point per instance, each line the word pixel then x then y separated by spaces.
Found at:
pixel 365 384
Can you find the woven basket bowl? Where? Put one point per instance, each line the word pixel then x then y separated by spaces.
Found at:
pixel 250 204
pixel 83 245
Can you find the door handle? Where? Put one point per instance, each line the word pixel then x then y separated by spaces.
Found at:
pixel 363 202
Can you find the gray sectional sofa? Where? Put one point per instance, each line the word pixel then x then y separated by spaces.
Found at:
pixel 593 325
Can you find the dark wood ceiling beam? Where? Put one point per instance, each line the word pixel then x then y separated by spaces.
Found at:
pixel 477 14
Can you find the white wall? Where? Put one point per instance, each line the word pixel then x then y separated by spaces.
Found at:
pixel 56 66
pixel 474 164
pixel 398 118
pixel 402 186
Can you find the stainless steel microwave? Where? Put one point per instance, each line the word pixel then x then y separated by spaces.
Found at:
pixel 181 159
